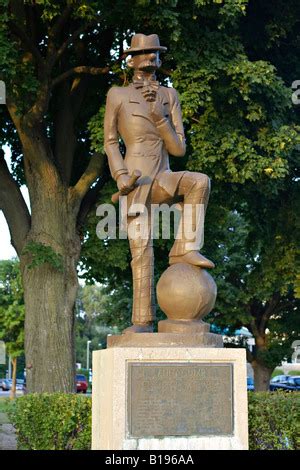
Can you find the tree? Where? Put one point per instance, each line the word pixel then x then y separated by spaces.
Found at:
pixel 41 45
pixel 269 307
pixel 255 274
pixel 58 59
pixel 91 306
pixel 12 313
pixel 242 131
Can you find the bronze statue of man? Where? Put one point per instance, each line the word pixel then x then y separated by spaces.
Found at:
pixel 147 116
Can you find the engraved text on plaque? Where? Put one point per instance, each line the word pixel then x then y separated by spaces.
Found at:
pixel 179 399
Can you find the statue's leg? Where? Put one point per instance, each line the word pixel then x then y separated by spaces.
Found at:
pixel 142 265
pixel 195 189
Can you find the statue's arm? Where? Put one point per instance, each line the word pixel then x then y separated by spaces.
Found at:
pixel 111 137
pixel 172 132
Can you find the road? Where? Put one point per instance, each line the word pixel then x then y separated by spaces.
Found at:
pixel 6 394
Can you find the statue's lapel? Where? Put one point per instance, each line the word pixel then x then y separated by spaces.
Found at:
pixel 139 107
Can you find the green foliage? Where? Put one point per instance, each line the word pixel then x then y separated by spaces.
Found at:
pixel 81 9
pixel 297 286
pixel 294 372
pixel 7 50
pixel 232 63
pixel 277 371
pixel 63 422
pixel 12 310
pixel 52 422
pixel 41 254
pixel 242 131
pixel 5 404
pixel 274 421
pixel 16 67
pixel 96 129
pixel 91 320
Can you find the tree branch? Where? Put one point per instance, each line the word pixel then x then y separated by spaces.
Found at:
pixel 269 310
pixel 89 176
pixel 74 36
pixel 64 132
pixel 37 111
pixel 82 69
pixel 253 328
pixel 12 109
pixel 14 207
pixel 21 34
pixel 40 152
pixel 78 91
pixel 59 24
pixel 90 199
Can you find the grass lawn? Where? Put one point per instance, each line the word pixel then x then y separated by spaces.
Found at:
pixel 280 372
pixel 5 404
pixel 4 407
pixel 3 418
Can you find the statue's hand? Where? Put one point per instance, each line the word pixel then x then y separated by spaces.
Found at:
pixel 157 111
pixel 124 185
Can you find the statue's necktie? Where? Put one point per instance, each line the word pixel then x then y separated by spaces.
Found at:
pixel 148 88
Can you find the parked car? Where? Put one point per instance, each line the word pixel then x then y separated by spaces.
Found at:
pixel 289 384
pixel 250 384
pixel 279 379
pixel 6 384
pixel 81 383
pixel 20 384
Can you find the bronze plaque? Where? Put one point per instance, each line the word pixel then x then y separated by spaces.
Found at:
pixel 179 399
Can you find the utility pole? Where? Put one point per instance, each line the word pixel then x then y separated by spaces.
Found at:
pixel 88 355
pixel 9 367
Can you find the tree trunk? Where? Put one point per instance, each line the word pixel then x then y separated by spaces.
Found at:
pixel 50 291
pixel 262 376
pixel 12 394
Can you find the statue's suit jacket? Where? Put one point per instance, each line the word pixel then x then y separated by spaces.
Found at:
pixel 147 144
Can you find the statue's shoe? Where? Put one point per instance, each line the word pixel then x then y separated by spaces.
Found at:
pixel 146 328
pixel 192 257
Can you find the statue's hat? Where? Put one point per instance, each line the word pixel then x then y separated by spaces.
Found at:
pixel 142 42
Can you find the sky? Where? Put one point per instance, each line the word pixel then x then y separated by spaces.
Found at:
pixel 6 249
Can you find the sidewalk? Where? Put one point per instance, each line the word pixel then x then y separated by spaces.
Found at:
pixel 8 439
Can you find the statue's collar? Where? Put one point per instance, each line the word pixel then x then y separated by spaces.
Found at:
pixel 142 83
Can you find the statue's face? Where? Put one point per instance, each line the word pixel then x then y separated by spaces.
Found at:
pixel 147 61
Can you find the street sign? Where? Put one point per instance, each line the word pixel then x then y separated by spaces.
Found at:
pixel 2 353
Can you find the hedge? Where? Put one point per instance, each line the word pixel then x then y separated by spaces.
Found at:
pixel 53 421
pixel 274 420
pixel 63 422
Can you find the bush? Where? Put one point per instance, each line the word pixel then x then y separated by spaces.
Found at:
pixel 59 421
pixel 274 421
pixel 52 421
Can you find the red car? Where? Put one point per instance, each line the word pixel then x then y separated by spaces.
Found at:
pixel 81 383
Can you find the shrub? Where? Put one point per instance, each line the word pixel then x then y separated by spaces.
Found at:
pixel 52 421
pixel 63 422
pixel 274 421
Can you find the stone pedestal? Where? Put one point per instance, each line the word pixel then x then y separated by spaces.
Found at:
pixel 168 398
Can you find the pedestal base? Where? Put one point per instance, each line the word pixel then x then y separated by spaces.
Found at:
pixel 171 340
pixel 169 398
